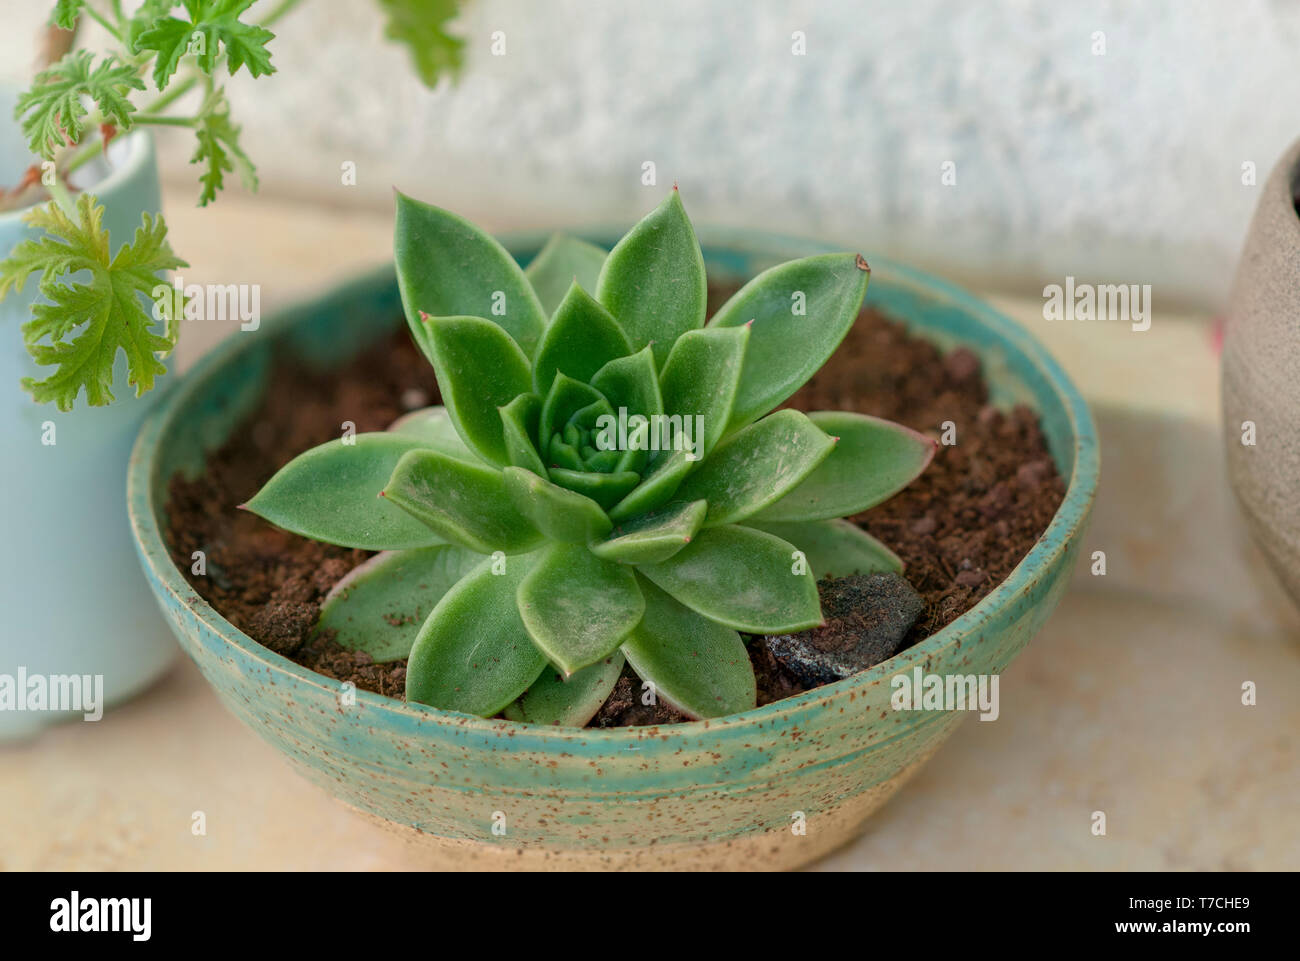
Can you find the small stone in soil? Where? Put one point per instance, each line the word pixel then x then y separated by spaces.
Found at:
pixel 867 620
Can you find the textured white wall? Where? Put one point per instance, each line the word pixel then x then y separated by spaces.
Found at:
pixel 1122 167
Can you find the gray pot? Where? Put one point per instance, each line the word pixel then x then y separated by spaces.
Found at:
pixel 1261 374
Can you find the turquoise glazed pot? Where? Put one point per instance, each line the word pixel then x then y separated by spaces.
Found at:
pixel 718 794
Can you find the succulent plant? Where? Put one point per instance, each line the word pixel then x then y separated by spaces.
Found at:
pixel 605 480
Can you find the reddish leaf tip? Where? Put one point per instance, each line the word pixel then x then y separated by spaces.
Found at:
pixel 241 507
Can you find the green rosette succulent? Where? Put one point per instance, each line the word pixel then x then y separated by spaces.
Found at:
pixel 606 481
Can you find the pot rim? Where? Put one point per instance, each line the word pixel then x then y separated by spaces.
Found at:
pixel 1066 524
pixel 139 146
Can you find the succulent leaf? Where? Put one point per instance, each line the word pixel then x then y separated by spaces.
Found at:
pixel 573 702
pixel 433 428
pixel 562 261
pixel 565 401
pixel 620 461
pixel 329 493
pixel 834 548
pixel 757 466
pixel 632 383
pixel 480 370
pixel 872 461
pixel 473 653
pixel 785 347
pixel 562 515
pixel 657 487
pixel 580 339
pixel 605 489
pixel 447 267
pixel 519 422
pixel 701 376
pixel 742 578
pixel 653 280
pixel 464 503
pixel 381 604
pixel 697 665
pixel 578 607
pixel 653 537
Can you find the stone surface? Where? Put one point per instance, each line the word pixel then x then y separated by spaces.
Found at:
pixel 867 618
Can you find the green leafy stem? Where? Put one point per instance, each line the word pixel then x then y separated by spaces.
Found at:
pixel 525 555
pixel 79 103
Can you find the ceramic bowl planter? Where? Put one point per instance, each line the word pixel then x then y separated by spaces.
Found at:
pixel 95 616
pixel 1261 358
pixel 718 793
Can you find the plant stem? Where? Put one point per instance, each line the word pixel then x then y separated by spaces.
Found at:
pixel 85 154
pixel 59 192
pixel 103 22
pixel 164 121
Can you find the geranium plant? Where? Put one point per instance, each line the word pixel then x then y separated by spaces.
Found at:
pixel 606 479
pixel 79 103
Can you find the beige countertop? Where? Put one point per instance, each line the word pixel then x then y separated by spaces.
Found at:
pixel 1127 702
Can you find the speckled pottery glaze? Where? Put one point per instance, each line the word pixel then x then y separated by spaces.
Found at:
pixel 1261 358
pixel 727 793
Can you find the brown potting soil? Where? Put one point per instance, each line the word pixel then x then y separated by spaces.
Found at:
pixel 960 528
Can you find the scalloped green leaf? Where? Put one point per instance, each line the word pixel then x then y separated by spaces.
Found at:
pixel 464 503
pixel 555 701
pixel 519 421
pixel 577 607
pixel 432 426
pixel 653 280
pixel 558 264
pixel 872 461
pixel 480 370
pixel 786 347
pixel 834 548
pixel 331 493
pixel 701 377
pixel 560 514
pixel 381 604
pixel 473 653
pixel 653 537
pixel 581 338
pixel 657 487
pixel 757 466
pixel 696 665
pixel 742 578
pixel 447 267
